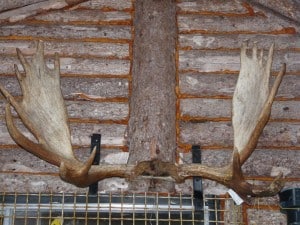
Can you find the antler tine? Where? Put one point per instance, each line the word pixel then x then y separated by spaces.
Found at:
pixel 71 172
pixel 252 100
pixel 85 174
pixel 245 189
pixel 263 118
pixel 32 147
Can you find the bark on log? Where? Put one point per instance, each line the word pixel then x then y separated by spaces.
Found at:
pixel 152 128
pixel 17 11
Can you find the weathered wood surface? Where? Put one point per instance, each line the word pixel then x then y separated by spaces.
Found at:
pixel 61 31
pixel 11 182
pixel 17 12
pixel 77 66
pixel 101 88
pixel 72 87
pixel 215 6
pixel 19 161
pixel 85 15
pixel 10 4
pixel 279 134
pixel 108 5
pixel 112 134
pixel 281 8
pixel 234 41
pixel 218 24
pixel 261 216
pixel 222 85
pixel 48 183
pixel 113 111
pixel 211 61
pixel 107 112
pixel 68 49
pixel 221 108
pixel 275 160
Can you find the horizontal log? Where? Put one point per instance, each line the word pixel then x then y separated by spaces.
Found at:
pixel 97 87
pixel 262 162
pixel 88 16
pixel 218 24
pixel 267 216
pixel 75 66
pixel 205 108
pixel 214 6
pixel 13 182
pixel 71 86
pixel 212 187
pixel 108 4
pixel 224 84
pixel 287 9
pixel 66 31
pixel 23 183
pixel 7 4
pixel 26 10
pixel 97 111
pixel 67 48
pixel 211 61
pixel 234 41
pixel 216 108
pixel 112 134
pixel 220 134
pixel 21 161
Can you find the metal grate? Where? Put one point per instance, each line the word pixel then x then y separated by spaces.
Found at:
pixel 111 208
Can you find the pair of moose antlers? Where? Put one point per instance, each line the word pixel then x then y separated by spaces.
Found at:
pixel 43 112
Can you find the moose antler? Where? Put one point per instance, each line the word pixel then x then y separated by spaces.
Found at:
pixel 252 102
pixel 43 112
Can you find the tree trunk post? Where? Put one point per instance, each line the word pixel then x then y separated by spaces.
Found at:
pixel 152 123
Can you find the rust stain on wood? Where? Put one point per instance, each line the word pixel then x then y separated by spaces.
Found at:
pixel 249 8
pixel 286 30
pixel 96 121
pixel 43 22
pixel 102 40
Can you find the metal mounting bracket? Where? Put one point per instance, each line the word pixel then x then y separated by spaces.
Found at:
pixel 95 142
pixel 197 181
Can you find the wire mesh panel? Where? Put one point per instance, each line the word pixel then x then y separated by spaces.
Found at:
pixel 110 209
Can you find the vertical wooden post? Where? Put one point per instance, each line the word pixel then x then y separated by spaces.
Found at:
pixel 152 126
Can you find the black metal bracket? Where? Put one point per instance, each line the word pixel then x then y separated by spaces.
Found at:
pixel 95 142
pixel 197 181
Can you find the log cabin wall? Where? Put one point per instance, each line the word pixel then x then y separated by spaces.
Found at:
pixel 94 41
